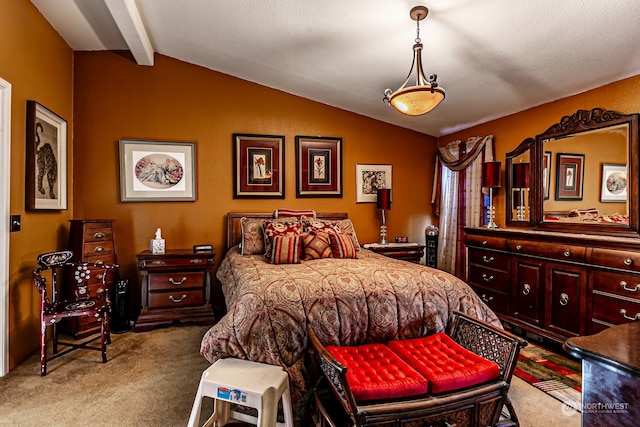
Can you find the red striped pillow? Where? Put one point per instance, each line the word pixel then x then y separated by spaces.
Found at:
pixel 316 246
pixel 286 250
pixel 342 246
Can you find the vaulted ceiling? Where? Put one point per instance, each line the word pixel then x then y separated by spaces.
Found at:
pixel 493 57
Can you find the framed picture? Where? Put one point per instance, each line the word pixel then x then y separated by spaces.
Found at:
pixel 157 171
pixel 258 166
pixel 318 166
pixel 569 176
pixel 368 179
pixel 46 159
pixel 614 183
pixel 546 174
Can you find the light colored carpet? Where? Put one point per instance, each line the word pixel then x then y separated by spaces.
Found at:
pixel 151 379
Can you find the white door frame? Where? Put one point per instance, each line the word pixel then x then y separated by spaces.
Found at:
pixel 5 175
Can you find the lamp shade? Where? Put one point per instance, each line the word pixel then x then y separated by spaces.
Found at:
pixel 384 198
pixel 491 174
pixel 520 174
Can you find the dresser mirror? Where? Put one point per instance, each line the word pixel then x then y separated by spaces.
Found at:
pixel 582 177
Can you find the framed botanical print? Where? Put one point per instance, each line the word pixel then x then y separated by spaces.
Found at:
pixel 318 166
pixel 569 176
pixel 258 166
pixel 46 159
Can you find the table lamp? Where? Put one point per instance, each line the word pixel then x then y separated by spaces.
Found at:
pixel 384 204
pixel 491 180
pixel 520 174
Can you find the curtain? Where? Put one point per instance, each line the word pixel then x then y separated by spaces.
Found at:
pixel 457 196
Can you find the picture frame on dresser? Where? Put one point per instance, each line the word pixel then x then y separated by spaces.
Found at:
pixel 157 171
pixel 318 166
pixel 258 166
pixel 46 159
pixel 369 178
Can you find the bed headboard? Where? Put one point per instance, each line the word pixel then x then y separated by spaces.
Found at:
pixel 234 228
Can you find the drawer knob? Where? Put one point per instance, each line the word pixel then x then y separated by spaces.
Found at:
pixel 564 299
pixel 624 314
pixel 628 289
pixel 486 278
pixel 567 254
pixel 485 298
pixel 485 243
pixel 157 262
pixel 628 261
pixel 99 276
pixel 99 249
pixel 177 300
pixel 99 235
pixel 518 247
pixel 487 260
pixel 180 282
pixel 196 261
pixel 526 289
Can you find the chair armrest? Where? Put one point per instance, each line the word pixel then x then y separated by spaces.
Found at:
pixel 335 373
pixel 488 341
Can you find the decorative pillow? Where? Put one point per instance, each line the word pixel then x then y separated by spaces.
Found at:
pixel 286 250
pixel 285 213
pixel 317 246
pixel 346 227
pixel 313 225
pixel 252 236
pixel 342 246
pixel 279 227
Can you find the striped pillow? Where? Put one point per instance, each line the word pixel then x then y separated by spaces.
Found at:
pixel 286 250
pixel 316 246
pixel 342 246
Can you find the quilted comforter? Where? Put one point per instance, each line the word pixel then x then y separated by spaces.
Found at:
pixel 346 301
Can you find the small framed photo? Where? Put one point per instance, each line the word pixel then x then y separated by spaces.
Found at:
pixel 569 176
pixel 318 166
pixel 157 171
pixel 369 178
pixel 46 159
pixel 614 183
pixel 258 166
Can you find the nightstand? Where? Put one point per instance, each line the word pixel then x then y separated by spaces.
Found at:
pixel 411 252
pixel 175 287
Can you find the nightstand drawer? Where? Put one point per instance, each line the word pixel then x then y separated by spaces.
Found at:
pixel 184 262
pixel 176 280
pixel 176 299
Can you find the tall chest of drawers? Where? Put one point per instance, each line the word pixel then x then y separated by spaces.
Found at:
pixel 91 240
pixel 175 287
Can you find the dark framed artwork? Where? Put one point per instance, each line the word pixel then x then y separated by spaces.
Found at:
pixel 258 166
pixel 318 166
pixel 46 159
pixel 157 171
pixel 546 174
pixel 614 183
pixel 569 176
pixel 369 178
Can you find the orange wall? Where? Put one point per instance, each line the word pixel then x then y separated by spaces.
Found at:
pixel 39 66
pixel 174 100
pixel 510 131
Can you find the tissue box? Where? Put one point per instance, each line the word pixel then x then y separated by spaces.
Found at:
pixel 157 246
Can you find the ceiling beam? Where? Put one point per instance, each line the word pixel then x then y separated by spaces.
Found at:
pixel 127 17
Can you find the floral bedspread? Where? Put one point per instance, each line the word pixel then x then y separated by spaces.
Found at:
pixel 345 301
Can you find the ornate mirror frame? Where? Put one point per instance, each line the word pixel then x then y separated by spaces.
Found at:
pixel 577 123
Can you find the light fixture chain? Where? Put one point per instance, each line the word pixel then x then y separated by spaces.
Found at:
pixel 418 30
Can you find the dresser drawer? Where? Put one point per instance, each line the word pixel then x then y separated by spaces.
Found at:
pixel 176 280
pixel 615 310
pixel 176 299
pixel 488 242
pixel 558 251
pixel 488 278
pixel 616 259
pixel 625 285
pixel 98 233
pixel 97 249
pixel 490 259
pixel 497 301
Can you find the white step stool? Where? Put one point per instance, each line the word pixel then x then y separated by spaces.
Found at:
pixel 252 384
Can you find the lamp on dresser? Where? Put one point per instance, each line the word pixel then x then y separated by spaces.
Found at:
pixel 520 173
pixel 384 204
pixel 491 180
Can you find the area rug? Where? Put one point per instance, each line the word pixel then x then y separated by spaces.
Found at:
pixel 555 374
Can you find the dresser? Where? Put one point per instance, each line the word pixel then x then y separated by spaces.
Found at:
pixel 175 287
pixel 412 252
pixel 91 240
pixel 556 285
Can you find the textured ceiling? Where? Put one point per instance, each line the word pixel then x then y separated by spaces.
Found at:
pixel 493 57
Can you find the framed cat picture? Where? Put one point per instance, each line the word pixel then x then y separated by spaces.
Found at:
pixel 46 159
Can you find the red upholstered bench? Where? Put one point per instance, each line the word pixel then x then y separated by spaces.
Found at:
pixel 459 378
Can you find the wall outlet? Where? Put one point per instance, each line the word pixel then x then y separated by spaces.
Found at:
pixel 14 223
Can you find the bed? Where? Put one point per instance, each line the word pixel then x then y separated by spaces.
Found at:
pixel 346 301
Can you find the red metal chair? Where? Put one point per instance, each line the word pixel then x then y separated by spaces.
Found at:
pixel 86 293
